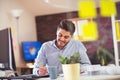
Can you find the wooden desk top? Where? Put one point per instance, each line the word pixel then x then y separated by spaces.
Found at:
pixel 31 66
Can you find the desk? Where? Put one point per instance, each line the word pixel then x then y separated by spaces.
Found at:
pixel 105 73
pixel 93 77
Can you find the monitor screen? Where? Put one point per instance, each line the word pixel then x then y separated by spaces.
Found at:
pixel 7 60
pixel 30 50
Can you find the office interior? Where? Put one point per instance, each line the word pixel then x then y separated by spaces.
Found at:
pixel 39 19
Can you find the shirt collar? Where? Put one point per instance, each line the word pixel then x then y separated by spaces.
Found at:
pixel 53 43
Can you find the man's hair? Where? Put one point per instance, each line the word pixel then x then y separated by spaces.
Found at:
pixel 67 25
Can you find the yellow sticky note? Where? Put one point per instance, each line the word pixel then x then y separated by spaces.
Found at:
pixel 117 24
pixel 90 31
pixel 86 9
pixel 107 8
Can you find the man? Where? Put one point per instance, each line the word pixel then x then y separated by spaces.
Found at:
pixel 63 45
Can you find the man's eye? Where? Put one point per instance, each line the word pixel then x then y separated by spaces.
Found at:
pixel 60 35
pixel 66 37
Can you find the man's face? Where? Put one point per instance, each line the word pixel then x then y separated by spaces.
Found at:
pixel 63 37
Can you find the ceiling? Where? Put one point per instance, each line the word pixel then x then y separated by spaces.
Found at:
pixel 45 7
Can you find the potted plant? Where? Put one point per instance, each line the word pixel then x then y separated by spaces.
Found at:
pixel 71 66
pixel 103 55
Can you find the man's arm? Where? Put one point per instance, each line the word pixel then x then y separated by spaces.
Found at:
pixel 40 62
pixel 84 59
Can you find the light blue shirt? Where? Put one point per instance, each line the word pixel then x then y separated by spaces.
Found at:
pixel 48 54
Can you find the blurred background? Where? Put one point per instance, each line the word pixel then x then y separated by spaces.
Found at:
pixel 37 21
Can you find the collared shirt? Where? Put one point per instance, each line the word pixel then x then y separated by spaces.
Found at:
pixel 48 54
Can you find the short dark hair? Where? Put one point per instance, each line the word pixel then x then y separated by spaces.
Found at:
pixel 67 25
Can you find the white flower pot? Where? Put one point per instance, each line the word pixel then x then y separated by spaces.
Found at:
pixel 71 71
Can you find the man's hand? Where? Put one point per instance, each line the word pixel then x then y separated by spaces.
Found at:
pixel 43 71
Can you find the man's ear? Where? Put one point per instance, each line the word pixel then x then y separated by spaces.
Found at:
pixel 71 36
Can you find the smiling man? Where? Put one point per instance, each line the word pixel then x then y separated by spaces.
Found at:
pixel 63 45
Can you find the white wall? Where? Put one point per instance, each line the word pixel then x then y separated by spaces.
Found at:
pixel 24 31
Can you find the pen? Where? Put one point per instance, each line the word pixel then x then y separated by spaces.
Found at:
pixel 41 65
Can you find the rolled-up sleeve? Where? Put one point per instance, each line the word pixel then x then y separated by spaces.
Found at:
pixel 40 60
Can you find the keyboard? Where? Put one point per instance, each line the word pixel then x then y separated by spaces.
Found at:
pixel 23 77
pixel 15 78
pixel 34 76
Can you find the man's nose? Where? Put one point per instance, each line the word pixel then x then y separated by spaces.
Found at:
pixel 62 38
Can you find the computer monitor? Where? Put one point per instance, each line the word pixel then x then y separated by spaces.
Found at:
pixel 7 61
pixel 30 50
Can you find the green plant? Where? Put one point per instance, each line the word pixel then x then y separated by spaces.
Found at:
pixel 73 59
pixel 103 55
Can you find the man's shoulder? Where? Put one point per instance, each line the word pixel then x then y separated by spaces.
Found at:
pixel 75 41
pixel 78 43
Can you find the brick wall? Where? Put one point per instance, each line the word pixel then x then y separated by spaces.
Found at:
pixel 47 25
